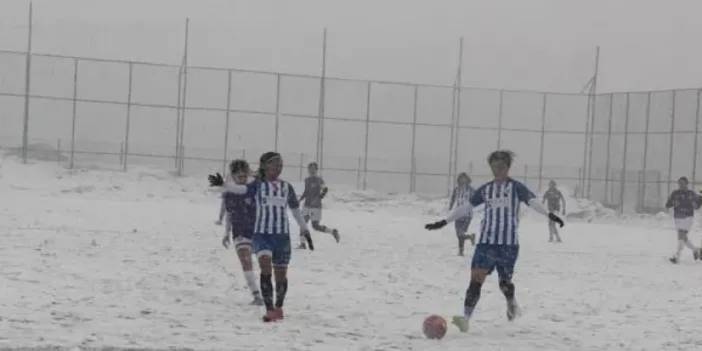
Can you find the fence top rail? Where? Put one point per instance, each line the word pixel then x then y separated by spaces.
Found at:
pixel 359 80
pixel 298 75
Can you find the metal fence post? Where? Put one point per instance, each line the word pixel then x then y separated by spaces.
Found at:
pixel 181 164
pixel 365 150
pixel 27 83
pixel 277 111
pixel 302 165
pixel 543 136
pixel 178 110
pixel 697 129
pixel 226 121
pixel 413 160
pixel 585 146
pixel 609 142
pixel 129 116
pixel 320 122
pixel 622 185
pixel 73 124
pixel 670 149
pixel 645 151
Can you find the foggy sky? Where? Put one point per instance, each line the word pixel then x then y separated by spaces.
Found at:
pixel 516 44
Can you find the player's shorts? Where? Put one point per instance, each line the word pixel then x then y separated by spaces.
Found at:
pixel 462 225
pixel 314 214
pixel 500 257
pixel 684 223
pixel 242 242
pixel 276 246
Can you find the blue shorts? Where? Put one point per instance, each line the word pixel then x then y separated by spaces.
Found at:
pixel 502 257
pixel 277 246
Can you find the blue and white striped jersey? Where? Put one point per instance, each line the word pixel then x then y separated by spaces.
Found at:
pixel 501 218
pixel 272 202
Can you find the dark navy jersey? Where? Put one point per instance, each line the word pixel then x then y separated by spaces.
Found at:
pixel 684 203
pixel 314 187
pixel 553 199
pixel 241 213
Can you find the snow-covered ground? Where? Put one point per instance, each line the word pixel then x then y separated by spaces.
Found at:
pixel 99 259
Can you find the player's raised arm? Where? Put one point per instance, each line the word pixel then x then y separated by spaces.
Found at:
pixel 217 183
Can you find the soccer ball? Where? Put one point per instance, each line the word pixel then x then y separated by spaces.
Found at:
pixel 434 327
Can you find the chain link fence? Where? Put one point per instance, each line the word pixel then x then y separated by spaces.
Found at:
pixel 623 149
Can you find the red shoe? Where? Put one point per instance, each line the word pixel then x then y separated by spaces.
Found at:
pixel 273 315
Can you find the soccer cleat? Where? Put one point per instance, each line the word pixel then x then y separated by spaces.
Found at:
pixel 673 260
pixel 302 246
pixel 472 239
pixel 279 313
pixel 273 315
pixel 335 234
pixel 696 254
pixel 270 316
pixel 461 322
pixel 513 310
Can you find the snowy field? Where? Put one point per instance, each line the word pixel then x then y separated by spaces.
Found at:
pixel 97 259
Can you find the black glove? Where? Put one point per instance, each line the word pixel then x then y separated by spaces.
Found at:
pixel 556 219
pixel 324 193
pixel 216 180
pixel 225 241
pixel 436 225
pixel 308 237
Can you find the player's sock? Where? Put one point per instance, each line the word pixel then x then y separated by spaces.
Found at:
pixel 472 297
pixel 507 288
pixel 267 291
pixel 281 288
pixel 681 244
pixel 461 243
pixel 251 282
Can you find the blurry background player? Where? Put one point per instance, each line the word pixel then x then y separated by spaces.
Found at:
pixel 684 202
pixel 461 195
pixel 553 198
pixel 498 246
pixel 271 239
pixel 314 192
pixel 240 215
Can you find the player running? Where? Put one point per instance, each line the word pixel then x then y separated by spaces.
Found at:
pixel 461 195
pixel 314 192
pixel 684 203
pixel 271 239
pixel 498 246
pixel 553 198
pixel 240 211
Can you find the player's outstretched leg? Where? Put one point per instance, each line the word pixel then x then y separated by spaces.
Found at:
pixel 676 256
pixel 302 244
pixel 324 229
pixel 469 303
pixel 461 243
pixel 682 234
pixel 244 253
